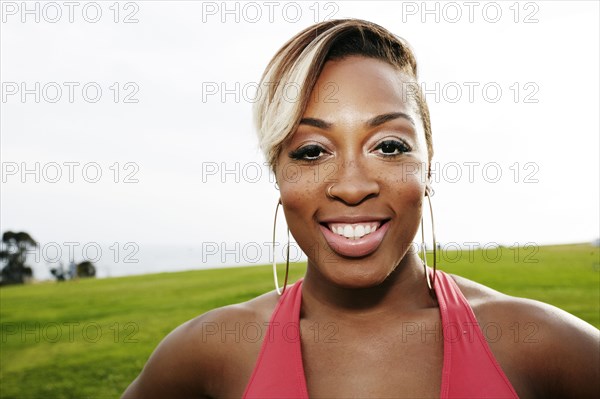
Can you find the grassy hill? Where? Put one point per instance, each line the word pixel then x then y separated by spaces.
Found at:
pixel 90 338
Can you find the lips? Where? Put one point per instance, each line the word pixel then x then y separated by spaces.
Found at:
pixel 354 238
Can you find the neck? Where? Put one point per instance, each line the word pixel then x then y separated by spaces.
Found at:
pixel 405 289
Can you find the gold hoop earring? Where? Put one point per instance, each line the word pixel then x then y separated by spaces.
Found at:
pixel 287 257
pixel 430 282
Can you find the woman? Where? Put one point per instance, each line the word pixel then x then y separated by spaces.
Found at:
pixel 351 157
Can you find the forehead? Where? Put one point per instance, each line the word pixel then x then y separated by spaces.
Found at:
pixel 357 87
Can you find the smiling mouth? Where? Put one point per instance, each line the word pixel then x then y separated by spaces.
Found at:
pixel 354 231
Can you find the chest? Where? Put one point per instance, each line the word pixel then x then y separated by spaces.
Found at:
pixel 403 359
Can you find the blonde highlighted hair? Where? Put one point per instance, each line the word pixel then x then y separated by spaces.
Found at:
pixel 300 61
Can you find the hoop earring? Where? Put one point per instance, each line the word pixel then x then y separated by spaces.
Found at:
pixel 430 282
pixel 287 256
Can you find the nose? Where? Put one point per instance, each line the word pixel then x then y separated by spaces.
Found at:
pixel 352 184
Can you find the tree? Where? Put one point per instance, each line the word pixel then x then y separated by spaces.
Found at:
pixel 14 255
pixel 59 272
pixel 86 269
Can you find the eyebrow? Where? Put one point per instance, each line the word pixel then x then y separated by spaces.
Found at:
pixel 373 122
pixel 314 122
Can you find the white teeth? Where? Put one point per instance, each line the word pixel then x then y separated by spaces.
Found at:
pixel 359 231
pixel 348 231
pixel 354 231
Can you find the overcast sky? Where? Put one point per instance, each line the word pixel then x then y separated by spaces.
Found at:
pixel 156 97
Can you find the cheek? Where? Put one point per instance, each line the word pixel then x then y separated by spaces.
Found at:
pixel 296 187
pixel 412 195
pixel 299 194
pixel 406 195
pixel 407 185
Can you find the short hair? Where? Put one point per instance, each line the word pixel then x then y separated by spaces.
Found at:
pixel 300 62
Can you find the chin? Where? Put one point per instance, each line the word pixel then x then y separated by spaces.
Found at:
pixel 356 275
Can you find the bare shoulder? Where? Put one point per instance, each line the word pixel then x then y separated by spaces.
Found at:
pixel 207 354
pixel 547 349
pixel 493 306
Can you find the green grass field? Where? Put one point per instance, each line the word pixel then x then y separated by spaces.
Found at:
pixel 89 339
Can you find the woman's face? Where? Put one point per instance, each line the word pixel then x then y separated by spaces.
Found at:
pixel 361 139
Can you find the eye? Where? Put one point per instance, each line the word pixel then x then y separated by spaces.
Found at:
pixel 311 152
pixel 390 148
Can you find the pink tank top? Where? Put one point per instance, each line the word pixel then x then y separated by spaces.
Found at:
pixel 469 370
